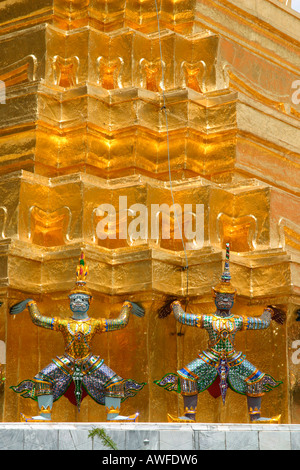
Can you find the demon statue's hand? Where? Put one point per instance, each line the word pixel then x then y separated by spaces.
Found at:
pixel 19 307
pixel 266 316
pixel 166 309
pixel 137 310
pixel 277 314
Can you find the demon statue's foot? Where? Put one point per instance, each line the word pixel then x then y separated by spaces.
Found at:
pixel 181 419
pixel 45 415
pixel 190 398
pixel 273 420
pixel 33 419
pixel 114 416
pixel 189 403
pixel 124 419
pixel 190 409
pixel 254 410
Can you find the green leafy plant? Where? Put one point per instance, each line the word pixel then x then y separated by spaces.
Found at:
pixel 106 440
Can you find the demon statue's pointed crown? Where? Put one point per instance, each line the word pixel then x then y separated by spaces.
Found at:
pixel 225 287
pixel 82 271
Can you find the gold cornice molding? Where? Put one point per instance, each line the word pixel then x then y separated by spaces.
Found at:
pixel 242 84
pixel 270 44
pixel 253 11
pixel 151 270
pixel 103 15
pixel 14 24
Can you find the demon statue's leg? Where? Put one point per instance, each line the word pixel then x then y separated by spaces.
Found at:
pixel 45 402
pixel 254 399
pixel 254 408
pixel 190 406
pixel 113 398
pixel 189 393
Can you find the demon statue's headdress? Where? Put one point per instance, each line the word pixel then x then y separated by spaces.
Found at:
pixel 81 275
pixel 225 287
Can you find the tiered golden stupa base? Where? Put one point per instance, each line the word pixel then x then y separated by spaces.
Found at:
pixel 84 124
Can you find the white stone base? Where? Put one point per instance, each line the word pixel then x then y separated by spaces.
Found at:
pixel 150 436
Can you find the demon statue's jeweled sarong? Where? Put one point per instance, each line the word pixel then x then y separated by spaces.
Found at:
pixel 220 366
pixel 78 372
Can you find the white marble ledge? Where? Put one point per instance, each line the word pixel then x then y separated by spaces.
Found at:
pixel 150 436
pixel 153 426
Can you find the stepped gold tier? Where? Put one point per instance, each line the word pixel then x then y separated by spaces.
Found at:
pixel 137 106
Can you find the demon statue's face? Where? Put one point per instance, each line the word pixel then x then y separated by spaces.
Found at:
pixel 79 303
pixel 224 301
